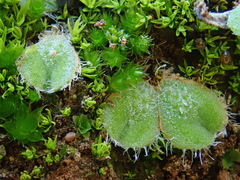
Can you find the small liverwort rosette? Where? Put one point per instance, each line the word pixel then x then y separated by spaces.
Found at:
pixel 49 65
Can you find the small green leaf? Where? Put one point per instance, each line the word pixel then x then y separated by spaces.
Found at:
pixel 228 67
pixel 35 136
pixel 10 53
pixel 8 105
pixel 230 157
pixel 83 123
pixel 27 121
pixel 51 144
pixel 100 149
pixel 24 126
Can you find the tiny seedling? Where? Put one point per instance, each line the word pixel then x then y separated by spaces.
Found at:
pixel 231 156
pixel 129 175
pixel 102 171
pixel 83 124
pixel 88 103
pixel 98 86
pixel 188 70
pixel 76 29
pixel 37 172
pixel 97 124
pixel 66 111
pixel 51 144
pixel 46 122
pixel 188 46
pixel 57 158
pixel 100 149
pixel 30 153
pixel 49 159
pixel 175 14
pixel 25 176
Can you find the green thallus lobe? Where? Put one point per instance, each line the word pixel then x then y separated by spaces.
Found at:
pixel 190 114
pixel 51 64
pixel 131 119
pixel 186 113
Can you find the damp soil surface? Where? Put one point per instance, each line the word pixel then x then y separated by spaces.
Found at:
pixel 79 163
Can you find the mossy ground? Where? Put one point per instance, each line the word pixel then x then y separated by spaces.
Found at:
pixel 119 166
pixel 83 165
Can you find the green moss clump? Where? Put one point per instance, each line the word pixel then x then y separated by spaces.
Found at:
pixel 98 37
pixel 140 44
pixel 129 75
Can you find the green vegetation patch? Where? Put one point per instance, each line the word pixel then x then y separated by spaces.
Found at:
pixel 49 65
pixel 191 115
pixel 185 112
pixel 131 117
pixel 233 21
